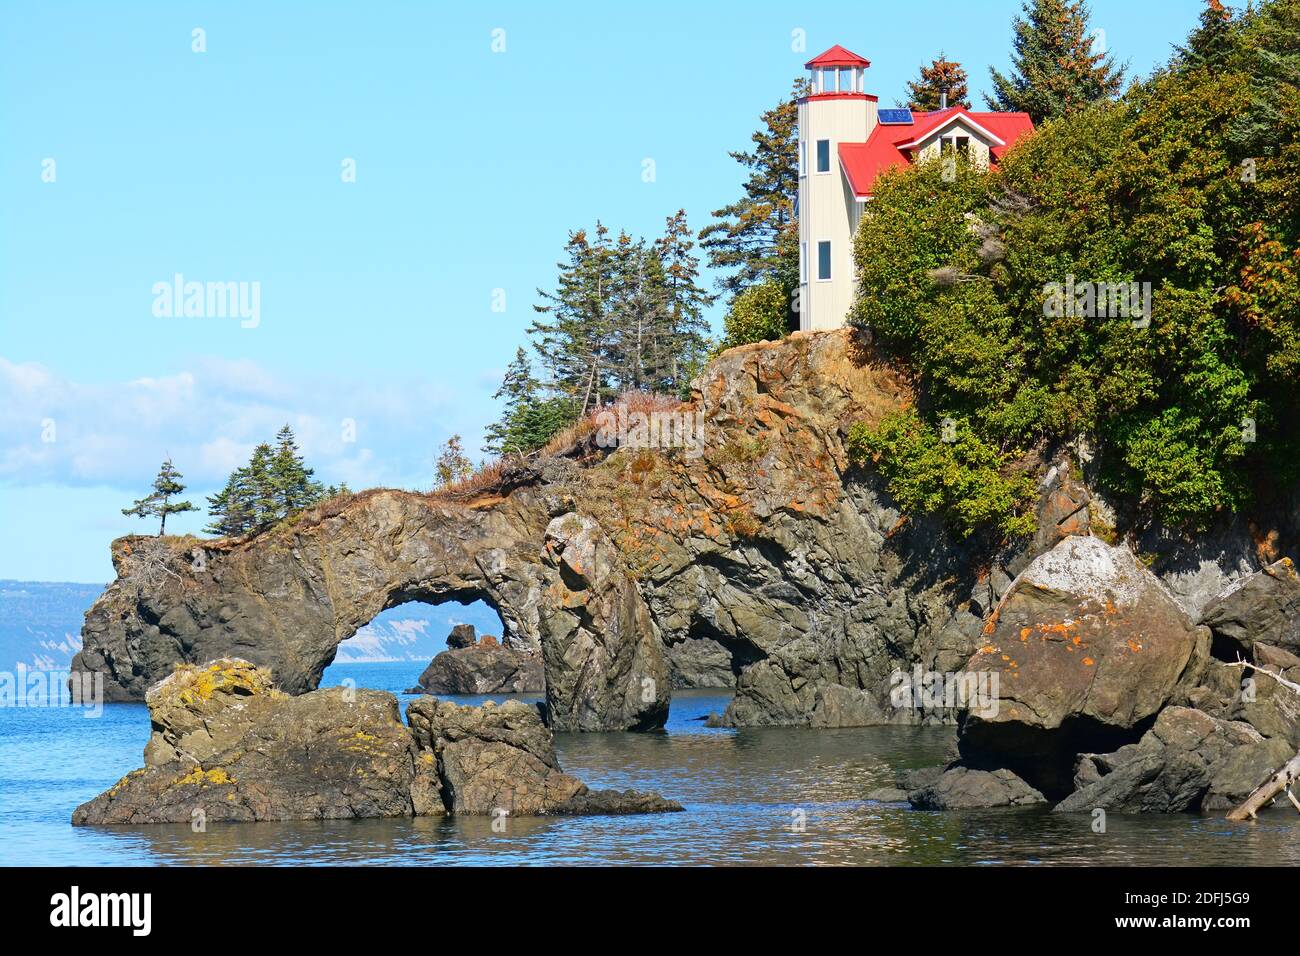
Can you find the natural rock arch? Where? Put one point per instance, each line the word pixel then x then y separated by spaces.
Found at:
pixel 288 599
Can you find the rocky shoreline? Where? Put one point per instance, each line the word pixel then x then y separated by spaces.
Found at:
pixel 773 564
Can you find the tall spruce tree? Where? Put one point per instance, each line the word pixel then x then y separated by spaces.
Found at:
pixel 159 503
pixel 1055 68
pixel 274 485
pixel 1210 44
pixel 925 92
pixel 745 242
pixel 572 342
pixel 684 341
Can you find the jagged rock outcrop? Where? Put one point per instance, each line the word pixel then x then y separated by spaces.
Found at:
pixel 1262 607
pixel 603 654
pixel 228 746
pixel 481 667
pixel 1087 646
pixel 1187 761
pixel 502 758
pixel 699 662
pixel 762 539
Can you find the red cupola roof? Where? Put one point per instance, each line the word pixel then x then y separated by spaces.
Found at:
pixel 837 56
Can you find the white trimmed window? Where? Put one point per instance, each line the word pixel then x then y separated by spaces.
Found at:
pixel 823 155
pixel 823 261
pixel 803 262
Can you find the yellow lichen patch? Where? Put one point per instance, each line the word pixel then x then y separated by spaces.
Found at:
pixel 1133 645
pixel 1088 662
pixel 1024 633
pixel 216 776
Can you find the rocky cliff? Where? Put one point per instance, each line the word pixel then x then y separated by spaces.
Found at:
pixel 769 545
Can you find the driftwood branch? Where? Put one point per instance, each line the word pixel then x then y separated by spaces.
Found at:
pixel 1280 781
pixel 1270 788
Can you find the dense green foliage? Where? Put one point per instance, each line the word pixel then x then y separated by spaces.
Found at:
pixel 1189 183
pixel 757 314
pixel 1055 67
pixel 947 470
pixel 274 485
pixel 159 503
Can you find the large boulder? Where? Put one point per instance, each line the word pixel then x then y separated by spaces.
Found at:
pixel 482 668
pixel 1262 607
pixel 960 788
pixel 226 747
pixel 462 635
pixel 604 660
pixel 1187 761
pixel 493 759
pixel 1087 646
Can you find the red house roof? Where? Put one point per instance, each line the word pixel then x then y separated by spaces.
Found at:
pixel 837 56
pixel 891 145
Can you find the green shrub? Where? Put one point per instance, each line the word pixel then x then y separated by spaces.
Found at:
pixel 757 315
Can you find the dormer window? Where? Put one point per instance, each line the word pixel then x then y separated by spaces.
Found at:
pixel 956 143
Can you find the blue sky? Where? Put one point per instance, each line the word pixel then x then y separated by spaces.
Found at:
pixel 376 296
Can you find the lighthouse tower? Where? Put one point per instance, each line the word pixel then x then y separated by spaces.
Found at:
pixel 836 110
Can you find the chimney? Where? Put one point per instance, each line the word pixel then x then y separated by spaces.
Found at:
pixel 943 97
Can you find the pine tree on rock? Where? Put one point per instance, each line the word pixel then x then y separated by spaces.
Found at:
pixel 745 241
pixel 1055 68
pixel 572 342
pixel 528 421
pixel 159 503
pixel 294 488
pixel 925 92
pixel 684 342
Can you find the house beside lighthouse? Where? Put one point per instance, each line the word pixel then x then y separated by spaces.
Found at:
pixel 845 143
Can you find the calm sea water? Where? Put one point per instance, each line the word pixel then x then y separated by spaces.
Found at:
pixel 744 792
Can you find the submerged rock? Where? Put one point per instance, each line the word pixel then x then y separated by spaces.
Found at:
pixel 227 746
pixel 1087 646
pixel 960 788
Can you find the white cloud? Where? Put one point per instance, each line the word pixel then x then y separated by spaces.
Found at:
pixel 209 417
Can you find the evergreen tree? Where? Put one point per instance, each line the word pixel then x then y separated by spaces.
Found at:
pixel 528 421
pixel 1210 44
pixel 294 488
pixel 1055 68
pixel 924 93
pixel 573 342
pixel 685 338
pixel 159 504
pixel 274 485
pixel 452 464
pixel 745 240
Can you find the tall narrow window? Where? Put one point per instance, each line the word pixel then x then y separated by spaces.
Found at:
pixel 823 155
pixel 823 260
pixel 803 157
pixel 803 262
